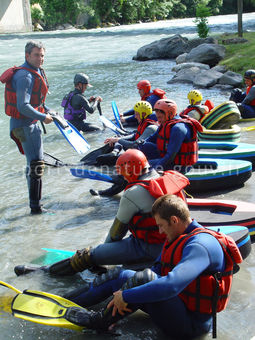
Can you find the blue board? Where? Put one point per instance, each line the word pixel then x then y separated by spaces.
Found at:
pixel 116 114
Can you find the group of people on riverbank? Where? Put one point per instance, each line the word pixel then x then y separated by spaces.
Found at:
pixel 179 291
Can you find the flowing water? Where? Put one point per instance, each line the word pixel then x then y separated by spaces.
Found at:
pixel 80 219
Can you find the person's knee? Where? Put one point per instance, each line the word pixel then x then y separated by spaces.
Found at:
pixel 36 168
pixel 140 278
pixel 111 274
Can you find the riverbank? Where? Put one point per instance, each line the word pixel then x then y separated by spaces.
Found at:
pixel 239 56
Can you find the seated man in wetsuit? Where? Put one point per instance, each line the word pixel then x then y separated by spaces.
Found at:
pixel 179 292
pixel 134 215
pixel 146 127
pixel 196 109
pixel 144 89
pixel 174 145
pixel 246 100
pixel 75 104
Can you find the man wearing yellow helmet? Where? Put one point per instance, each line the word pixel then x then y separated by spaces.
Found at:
pixel 146 94
pixel 196 109
pixel 146 127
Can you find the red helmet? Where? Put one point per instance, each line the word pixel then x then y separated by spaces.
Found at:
pixel 131 164
pixel 144 85
pixel 168 106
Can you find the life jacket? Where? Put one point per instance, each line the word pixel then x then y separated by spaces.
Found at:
pixel 38 95
pixel 143 125
pixel 69 112
pixel 191 108
pixel 252 103
pixel 143 225
pixel 188 153
pixel 157 92
pixel 209 292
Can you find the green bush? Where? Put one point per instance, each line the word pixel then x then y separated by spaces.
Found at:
pixel 202 12
pixel 37 14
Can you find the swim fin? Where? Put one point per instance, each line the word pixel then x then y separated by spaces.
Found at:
pixel 43 308
pixel 71 134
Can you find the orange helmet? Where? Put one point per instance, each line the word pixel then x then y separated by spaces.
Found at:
pixel 144 85
pixel 131 164
pixel 168 106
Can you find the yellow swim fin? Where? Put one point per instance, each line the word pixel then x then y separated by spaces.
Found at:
pixel 41 307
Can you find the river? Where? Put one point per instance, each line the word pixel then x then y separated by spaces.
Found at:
pixel 78 219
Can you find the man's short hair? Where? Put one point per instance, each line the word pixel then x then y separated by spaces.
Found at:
pixel 170 205
pixel 32 44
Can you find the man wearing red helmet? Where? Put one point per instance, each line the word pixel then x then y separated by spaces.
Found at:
pixel 134 215
pixel 144 89
pixel 174 144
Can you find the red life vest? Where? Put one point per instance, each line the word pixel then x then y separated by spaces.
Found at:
pixel 188 153
pixel 157 92
pixel 143 226
pixel 209 293
pixel 39 91
pixel 143 125
pixel 252 103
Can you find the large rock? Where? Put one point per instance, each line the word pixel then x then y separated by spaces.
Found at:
pixel 207 78
pixel 185 75
pixel 182 66
pixel 209 54
pixel 231 78
pixel 169 48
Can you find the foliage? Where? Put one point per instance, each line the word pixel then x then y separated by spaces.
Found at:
pixel 239 57
pixel 202 12
pixel 37 14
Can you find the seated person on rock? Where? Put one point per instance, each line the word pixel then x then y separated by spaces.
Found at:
pixel 246 100
pixel 75 104
pixel 179 292
pixel 134 215
pixel 146 127
pixel 144 89
pixel 196 109
pixel 174 145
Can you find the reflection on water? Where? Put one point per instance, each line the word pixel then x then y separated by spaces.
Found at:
pixel 80 219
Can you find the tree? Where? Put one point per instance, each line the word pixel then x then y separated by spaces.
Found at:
pixel 240 17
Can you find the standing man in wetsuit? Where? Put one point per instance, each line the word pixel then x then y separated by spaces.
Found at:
pixel 25 92
pixel 75 104
pixel 134 215
pixel 189 283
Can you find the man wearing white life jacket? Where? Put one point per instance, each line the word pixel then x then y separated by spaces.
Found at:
pixel 196 109
pixel 25 92
pixel 134 215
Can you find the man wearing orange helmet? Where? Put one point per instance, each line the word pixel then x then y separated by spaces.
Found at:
pixel 134 215
pixel 174 144
pixel 144 89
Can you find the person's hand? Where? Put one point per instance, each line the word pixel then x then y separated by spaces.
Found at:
pixel 122 119
pixel 111 141
pixel 118 304
pixel 92 99
pixel 48 119
pixel 99 99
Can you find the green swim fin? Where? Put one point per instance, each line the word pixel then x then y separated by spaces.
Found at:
pixel 40 307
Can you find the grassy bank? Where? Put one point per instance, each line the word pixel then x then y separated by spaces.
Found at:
pixel 239 57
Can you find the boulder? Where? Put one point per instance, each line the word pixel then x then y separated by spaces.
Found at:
pixel 181 58
pixel 209 54
pixel 166 48
pixel 219 68
pixel 179 67
pixel 185 75
pixel 231 78
pixel 207 78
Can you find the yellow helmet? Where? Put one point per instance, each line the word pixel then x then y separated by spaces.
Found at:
pixel 195 96
pixel 143 107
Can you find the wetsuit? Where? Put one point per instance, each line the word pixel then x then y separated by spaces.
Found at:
pixel 180 132
pixel 80 103
pixel 245 100
pixel 26 130
pixel 159 298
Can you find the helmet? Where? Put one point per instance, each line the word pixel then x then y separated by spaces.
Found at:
pixel 168 106
pixel 195 96
pixel 81 78
pixel 131 164
pixel 143 107
pixel 250 74
pixel 144 85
